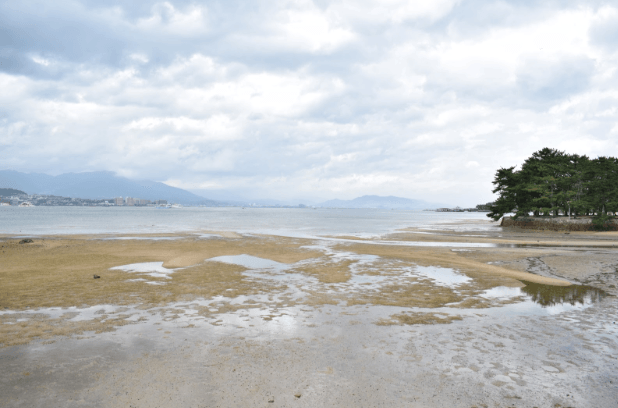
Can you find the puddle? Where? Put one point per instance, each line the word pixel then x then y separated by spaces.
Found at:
pixel 547 295
pixel 502 292
pixel 367 279
pixel 262 268
pixel 441 276
pixel 539 299
pixel 208 236
pixel 154 269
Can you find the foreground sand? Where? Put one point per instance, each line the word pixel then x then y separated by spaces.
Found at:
pixel 338 321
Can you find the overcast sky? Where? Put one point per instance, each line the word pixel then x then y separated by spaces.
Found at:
pixel 290 99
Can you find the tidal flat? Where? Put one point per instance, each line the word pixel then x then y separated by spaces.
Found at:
pixel 464 315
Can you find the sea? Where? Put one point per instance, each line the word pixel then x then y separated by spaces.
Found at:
pixel 32 221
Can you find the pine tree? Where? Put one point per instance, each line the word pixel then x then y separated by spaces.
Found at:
pixel 551 182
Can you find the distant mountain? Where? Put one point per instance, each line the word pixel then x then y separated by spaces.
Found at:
pixel 373 201
pixel 9 192
pixel 97 185
pixel 250 196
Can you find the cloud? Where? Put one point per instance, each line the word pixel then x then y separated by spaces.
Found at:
pixel 604 30
pixel 542 80
pixel 294 98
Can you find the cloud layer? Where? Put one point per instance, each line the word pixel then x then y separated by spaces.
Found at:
pixel 306 98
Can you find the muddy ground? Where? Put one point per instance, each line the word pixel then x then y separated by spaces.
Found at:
pixel 469 315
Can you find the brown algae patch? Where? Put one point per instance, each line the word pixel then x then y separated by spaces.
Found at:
pixel 16 329
pixel 326 272
pixel 423 294
pixel 411 318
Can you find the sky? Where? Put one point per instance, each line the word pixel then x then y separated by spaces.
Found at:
pixel 303 99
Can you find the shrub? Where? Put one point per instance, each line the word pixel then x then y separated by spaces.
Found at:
pixel 603 223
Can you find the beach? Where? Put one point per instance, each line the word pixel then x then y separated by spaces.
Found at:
pixel 459 314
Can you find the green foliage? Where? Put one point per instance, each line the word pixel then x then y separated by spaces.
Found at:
pixel 551 182
pixel 603 223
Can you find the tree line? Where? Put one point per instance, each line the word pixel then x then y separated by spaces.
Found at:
pixel 552 183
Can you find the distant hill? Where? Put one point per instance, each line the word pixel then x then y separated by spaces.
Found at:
pixel 97 185
pixel 8 192
pixel 373 201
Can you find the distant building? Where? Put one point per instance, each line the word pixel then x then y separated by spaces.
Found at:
pixel 118 201
pixel 130 201
pixel 160 202
pixel 456 209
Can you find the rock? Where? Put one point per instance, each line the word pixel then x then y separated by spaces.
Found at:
pixel 298 395
pixel 271 399
pixel 97 277
pixel 26 241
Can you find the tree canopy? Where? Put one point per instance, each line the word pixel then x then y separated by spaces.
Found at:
pixel 552 182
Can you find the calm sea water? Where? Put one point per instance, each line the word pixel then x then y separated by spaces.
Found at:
pixel 284 221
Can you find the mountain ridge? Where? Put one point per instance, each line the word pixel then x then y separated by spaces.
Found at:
pixel 97 185
pixel 374 201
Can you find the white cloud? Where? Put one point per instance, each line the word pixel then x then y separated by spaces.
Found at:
pixel 393 11
pixel 170 20
pixel 216 127
pixel 41 61
pixel 311 30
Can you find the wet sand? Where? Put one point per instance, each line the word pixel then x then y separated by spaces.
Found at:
pixel 225 319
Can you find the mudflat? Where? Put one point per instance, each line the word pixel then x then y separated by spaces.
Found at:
pixel 467 315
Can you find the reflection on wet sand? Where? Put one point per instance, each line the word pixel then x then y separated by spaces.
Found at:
pixel 548 295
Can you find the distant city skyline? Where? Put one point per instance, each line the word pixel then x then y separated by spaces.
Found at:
pixel 306 99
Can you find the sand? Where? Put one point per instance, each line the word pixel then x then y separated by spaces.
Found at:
pixel 346 321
